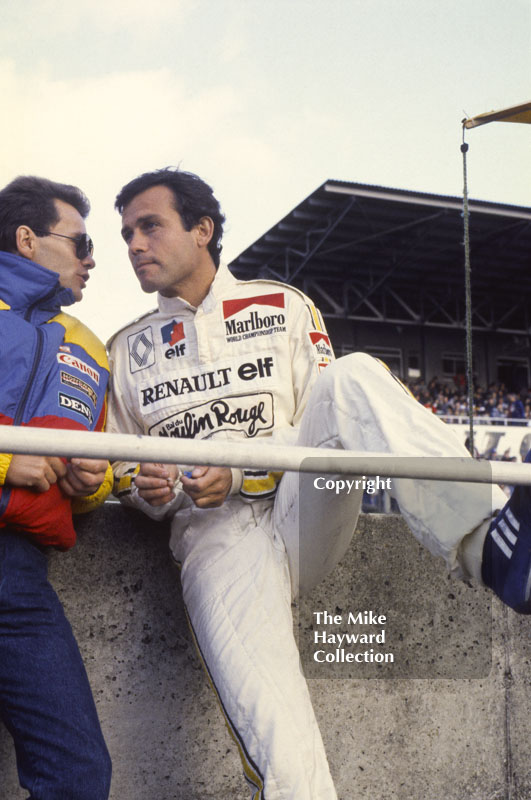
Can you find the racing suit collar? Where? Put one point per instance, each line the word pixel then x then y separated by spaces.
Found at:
pixel 222 280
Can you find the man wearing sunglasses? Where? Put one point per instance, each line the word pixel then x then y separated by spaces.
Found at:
pixel 54 374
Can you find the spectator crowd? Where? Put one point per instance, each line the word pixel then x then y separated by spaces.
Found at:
pixel 450 399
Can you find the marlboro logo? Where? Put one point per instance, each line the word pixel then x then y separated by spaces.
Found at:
pixel 321 342
pixel 231 307
pixel 318 336
pixel 254 323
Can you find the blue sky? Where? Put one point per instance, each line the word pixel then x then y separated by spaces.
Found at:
pixel 264 100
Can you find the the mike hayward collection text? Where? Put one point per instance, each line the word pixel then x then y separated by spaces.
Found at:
pixel 344 647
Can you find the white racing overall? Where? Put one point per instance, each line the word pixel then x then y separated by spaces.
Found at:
pixel 253 361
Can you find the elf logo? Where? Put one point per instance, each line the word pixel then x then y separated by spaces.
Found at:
pixel 253 323
pixel 173 334
pixel 250 371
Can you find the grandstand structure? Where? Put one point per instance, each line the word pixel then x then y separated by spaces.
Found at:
pixel 386 268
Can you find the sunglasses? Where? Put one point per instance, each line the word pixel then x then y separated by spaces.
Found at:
pixel 84 244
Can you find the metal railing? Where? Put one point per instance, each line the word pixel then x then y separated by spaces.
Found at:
pixel 256 455
pixel 464 420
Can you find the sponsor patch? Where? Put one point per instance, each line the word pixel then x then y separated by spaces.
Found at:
pixel 231 307
pixel 76 383
pixel 261 368
pixel 173 335
pixel 81 366
pixel 217 378
pixel 75 405
pixel 242 323
pixel 141 349
pixel 184 385
pixel 248 414
pixel 321 342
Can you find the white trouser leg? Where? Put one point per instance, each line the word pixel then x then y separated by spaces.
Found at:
pixel 236 590
pixel 358 405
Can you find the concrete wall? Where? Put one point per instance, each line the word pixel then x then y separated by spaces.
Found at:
pixel 449 719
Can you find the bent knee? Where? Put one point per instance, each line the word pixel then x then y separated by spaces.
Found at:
pixel 361 368
pixel 351 366
pixel 359 360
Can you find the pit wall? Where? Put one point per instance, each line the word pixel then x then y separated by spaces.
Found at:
pixel 447 719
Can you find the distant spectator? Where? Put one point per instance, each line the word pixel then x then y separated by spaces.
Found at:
pixel 499 412
pixel 516 407
pixel 450 399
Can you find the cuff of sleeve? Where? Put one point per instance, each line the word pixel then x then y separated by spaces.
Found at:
pixel 81 505
pixel 157 513
pixel 237 481
pixel 5 461
pixel 123 483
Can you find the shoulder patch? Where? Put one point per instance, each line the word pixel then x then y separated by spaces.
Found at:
pixel 78 333
pixel 317 319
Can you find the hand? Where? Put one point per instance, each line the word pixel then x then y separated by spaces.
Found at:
pixel 209 486
pixel 83 476
pixel 37 473
pixel 155 483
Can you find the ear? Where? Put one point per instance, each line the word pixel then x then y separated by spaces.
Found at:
pixel 26 242
pixel 204 230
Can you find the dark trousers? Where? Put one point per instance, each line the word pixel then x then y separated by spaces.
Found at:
pixel 45 699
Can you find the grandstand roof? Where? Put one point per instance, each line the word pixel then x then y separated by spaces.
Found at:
pixel 389 255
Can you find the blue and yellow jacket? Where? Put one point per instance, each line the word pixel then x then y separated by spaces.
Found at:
pixel 54 374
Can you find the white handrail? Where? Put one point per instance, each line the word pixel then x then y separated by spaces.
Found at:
pixel 256 455
pixel 508 422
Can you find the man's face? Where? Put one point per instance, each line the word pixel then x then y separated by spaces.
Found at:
pixel 59 254
pixel 164 255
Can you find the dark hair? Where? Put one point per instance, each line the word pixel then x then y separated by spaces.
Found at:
pixel 29 200
pixel 194 199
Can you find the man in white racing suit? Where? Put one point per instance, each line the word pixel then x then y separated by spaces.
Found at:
pixel 251 360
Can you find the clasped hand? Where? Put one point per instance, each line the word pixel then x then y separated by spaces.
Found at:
pixel 76 478
pixel 208 487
